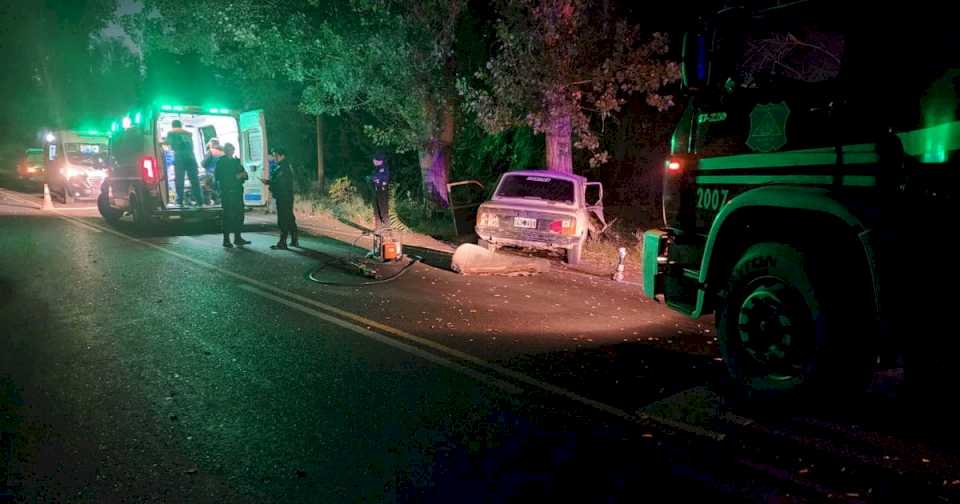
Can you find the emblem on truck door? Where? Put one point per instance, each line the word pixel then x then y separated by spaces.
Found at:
pixel 768 127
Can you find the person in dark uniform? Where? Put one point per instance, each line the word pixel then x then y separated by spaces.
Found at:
pixel 281 187
pixel 230 176
pixel 185 162
pixel 381 187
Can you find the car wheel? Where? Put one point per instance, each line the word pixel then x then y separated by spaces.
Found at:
pixel 487 245
pixel 789 323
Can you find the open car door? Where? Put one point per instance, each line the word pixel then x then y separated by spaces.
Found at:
pixel 253 155
pixel 465 197
pixel 593 198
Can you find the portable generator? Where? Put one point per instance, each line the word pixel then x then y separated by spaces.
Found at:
pixel 386 247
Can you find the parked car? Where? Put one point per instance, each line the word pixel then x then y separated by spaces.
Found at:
pixel 542 210
pixel 76 163
pixel 30 166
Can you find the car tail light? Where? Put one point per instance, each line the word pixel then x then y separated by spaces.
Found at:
pixel 488 219
pixel 149 171
pixel 674 165
pixel 564 226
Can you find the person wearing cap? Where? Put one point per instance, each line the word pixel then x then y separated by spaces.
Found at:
pixel 230 177
pixel 281 187
pixel 381 186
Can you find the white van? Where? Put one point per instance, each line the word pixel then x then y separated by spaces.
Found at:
pixel 141 181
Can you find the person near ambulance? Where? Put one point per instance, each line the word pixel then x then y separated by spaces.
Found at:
pixel 281 187
pixel 185 162
pixel 209 163
pixel 230 177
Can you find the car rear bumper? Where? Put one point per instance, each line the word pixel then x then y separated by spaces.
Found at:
pixel 527 238
pixel 30 177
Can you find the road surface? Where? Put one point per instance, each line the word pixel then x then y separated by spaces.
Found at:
pixel 163 367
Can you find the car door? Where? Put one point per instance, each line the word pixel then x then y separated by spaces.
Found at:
pixel 465 197
pixel 253 155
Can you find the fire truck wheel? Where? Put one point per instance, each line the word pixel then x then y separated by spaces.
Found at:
pixel 790 324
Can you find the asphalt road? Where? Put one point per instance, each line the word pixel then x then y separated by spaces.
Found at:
pixel 162 367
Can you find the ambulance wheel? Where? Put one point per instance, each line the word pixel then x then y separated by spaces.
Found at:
pixel 109 214
pixel 141 220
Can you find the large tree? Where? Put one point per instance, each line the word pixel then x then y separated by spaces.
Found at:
pixel 61 71
pixel 564 67
pixel 393 60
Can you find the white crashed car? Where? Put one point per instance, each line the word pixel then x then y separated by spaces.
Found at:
pixel 539 209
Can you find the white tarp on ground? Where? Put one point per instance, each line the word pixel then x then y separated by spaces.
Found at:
pixel 470 259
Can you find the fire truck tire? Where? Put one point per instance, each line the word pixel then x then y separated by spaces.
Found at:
pixel 790 323
pixel 574 253
pixel 68 197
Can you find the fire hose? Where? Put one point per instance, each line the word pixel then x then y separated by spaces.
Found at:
pixel 353 262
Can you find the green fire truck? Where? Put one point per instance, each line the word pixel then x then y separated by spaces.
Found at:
pixel 810 196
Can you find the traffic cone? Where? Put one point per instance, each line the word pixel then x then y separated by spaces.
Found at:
pixel 47 201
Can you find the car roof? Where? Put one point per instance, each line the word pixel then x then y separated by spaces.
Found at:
pixel 548 173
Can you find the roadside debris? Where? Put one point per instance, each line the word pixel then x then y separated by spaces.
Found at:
pixel 470 259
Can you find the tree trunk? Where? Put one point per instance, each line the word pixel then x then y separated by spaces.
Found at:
pixel 320 160
pixel 434 168
pixel 559 153
pixel 435 160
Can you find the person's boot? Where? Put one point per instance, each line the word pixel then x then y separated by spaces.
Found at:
pixel 226 241
pixel 282 244
pixel 238 240
pixel 295 238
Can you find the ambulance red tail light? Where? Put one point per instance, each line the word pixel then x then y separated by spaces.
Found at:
pixel 149 171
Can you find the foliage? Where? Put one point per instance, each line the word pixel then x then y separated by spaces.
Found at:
pixel 567 58
pixel 386 58
pixel 342 190
pixel 61 69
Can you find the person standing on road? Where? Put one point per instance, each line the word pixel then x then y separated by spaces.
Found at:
pixel 185 162
pixel 230 176
pixel 281 187
pixel 381 187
